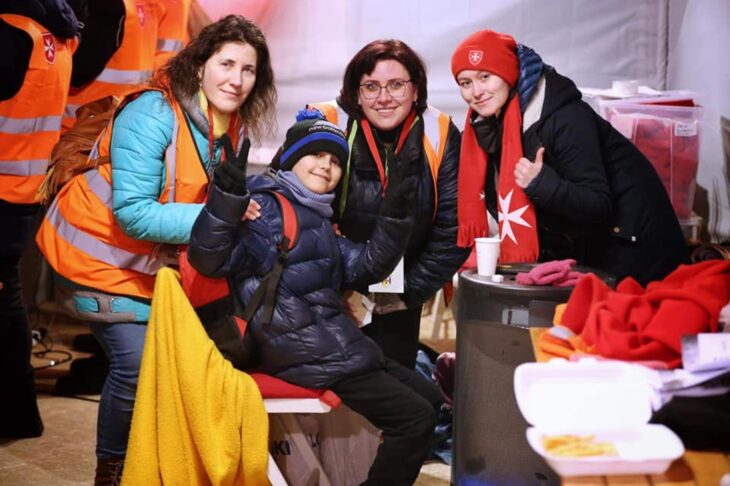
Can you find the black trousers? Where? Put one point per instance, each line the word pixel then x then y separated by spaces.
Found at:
pixel 397 335
pixel 403 405
pixel 19 416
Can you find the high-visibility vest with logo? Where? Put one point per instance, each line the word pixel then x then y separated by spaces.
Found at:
pixel 30 121
pixel 173 32
pixel 130 66
pixel 435 132
pixel 80 238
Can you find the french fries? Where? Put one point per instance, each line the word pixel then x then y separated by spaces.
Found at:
pixel 577 446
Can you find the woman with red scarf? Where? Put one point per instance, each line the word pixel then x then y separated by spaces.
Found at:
pixel 558 181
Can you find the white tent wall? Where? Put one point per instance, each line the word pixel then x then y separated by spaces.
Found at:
pixel 699 36
pixel 665 44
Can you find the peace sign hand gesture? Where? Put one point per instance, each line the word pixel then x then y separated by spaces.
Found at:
pixel 230 175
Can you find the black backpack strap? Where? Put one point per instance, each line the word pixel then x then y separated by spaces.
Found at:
pixel 266 291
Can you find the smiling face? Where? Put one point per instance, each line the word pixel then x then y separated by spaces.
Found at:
pixel 484 92
pixel 387 112
pixel 228 76
pixel 319 172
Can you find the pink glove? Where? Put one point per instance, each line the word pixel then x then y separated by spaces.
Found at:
pixel 546 273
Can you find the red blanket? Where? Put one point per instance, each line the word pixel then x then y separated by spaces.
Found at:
pixel 637 324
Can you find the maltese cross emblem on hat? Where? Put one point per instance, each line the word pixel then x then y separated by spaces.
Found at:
pixel 475 57
pixel 49 47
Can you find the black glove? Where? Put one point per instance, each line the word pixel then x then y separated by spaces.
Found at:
pixel 403 178
pixel 230 175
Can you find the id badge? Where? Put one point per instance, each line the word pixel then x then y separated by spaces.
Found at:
pixel 393 284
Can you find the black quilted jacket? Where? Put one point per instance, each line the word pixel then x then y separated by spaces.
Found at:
pixel 432 256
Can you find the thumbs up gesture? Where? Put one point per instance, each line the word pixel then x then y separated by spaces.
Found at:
pixel 526 170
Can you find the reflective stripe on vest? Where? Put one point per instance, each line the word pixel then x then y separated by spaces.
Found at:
pixel 70 110
pixel 132 63
pixel 435 130
pixel 30 120
pixel 23 167
pixel 169 45
pixel 172 34
pixel 18 126
pixel 171 158
pixel 106 253
pixel 118 76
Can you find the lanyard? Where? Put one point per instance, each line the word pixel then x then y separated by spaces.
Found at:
pixel 210 143
pixel 368 132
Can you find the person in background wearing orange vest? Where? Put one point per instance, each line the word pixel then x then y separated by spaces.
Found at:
pixel 35 72
pixel 117 51
pixel 383 98
pixel 172 34
pixel 110 229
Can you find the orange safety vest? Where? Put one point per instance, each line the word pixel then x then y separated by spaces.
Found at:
pixel 80 238
pixel 30 122
pixel 173 32
pixel 130 66
pixel 435 129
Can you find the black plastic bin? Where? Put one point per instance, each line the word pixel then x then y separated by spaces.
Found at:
pixel 492 319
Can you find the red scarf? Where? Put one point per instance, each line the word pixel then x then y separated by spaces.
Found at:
pixel 517 221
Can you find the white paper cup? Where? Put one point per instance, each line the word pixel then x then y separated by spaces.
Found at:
pixel 487 255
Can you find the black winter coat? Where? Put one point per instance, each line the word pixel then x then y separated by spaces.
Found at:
pixel 431 254
pixel 311 341
pixel 598 198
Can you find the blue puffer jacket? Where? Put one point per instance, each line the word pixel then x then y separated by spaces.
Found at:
pixel 310 341
pixel 142 133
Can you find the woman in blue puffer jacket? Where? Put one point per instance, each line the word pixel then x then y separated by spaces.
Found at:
pixel 311 340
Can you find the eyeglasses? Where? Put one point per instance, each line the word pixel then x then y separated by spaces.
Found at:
pixel 397 88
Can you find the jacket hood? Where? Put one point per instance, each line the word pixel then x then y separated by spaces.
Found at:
pixel 559 92
pixel 55 15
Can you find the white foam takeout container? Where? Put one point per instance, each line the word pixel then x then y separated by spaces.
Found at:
pixel 609 399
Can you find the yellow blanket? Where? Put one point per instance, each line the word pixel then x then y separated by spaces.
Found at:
pixel 197 420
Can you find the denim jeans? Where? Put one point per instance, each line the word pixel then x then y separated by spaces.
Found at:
pixel 123 344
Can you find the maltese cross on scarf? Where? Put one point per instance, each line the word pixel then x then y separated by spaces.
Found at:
pixel 517 220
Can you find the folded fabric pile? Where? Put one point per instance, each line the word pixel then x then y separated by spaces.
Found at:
pixel 557 273
pixel 636 324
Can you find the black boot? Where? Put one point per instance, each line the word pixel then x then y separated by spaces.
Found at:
pixel 109 471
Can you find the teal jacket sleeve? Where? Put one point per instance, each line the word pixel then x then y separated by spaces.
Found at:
pixel 141 134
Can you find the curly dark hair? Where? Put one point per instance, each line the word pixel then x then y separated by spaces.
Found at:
pixel 181 72
pixel 364 62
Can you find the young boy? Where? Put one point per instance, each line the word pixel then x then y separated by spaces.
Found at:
pixel 310 340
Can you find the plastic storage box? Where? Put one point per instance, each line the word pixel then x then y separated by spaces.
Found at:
pixel 609 400
pixel 669 136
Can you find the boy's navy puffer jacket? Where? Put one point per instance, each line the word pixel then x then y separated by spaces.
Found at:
pixel 311 341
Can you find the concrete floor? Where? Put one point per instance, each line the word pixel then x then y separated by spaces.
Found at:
pixel 64 455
